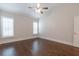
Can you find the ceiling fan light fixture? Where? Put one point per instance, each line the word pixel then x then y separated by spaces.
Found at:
pixel 38 10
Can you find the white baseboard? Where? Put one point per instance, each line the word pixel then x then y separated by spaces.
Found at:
pixel 51 39
pixel 3 41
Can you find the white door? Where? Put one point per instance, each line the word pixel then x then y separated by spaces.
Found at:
pixel 76 31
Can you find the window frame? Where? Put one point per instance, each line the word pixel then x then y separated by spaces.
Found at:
pixel 8 35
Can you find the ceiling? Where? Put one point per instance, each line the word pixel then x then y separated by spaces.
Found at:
pixel 23 8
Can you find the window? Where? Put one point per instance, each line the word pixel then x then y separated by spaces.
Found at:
pixel 35 28
pixel 7 27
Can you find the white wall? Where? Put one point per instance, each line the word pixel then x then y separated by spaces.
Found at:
pixel 59 25
pixel 23 27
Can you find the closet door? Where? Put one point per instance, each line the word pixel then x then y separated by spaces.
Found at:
pixel 76 31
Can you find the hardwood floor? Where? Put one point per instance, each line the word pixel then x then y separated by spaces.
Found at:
pixel 37 47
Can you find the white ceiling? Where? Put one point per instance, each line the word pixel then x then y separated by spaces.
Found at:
pixel 23 8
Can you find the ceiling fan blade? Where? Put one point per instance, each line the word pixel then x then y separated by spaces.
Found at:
pixel 45 8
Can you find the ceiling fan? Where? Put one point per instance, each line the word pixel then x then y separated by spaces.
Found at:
pixel 39 9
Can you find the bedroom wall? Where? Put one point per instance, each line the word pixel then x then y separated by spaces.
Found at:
pixel 23 27
pixel 59 25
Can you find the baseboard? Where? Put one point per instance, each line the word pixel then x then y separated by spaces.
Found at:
pixel 3 41
pixel 63 42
